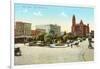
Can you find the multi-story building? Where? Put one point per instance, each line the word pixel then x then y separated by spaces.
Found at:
pixel 22 30
pixel 50 28
pixel 79 29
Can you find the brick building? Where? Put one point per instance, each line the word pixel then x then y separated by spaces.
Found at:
pixel 80 29
pixel 37 32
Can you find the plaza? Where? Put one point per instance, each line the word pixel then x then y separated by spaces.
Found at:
pixel 46 55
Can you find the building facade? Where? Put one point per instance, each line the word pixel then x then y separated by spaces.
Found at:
pixel 80 29
pixel 22 30
pixel 37 32
pixel 55 29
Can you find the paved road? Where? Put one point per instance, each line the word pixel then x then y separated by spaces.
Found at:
pixel 86 53
pixel 43 55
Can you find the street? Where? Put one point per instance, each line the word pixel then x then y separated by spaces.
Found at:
pixel 45 55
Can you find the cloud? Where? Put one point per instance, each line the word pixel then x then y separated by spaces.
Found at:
pixel 37 13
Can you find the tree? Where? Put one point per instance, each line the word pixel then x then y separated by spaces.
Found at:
pixel 48 38
pixel 64 37
pixel 41 37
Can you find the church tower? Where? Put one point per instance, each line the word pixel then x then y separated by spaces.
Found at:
pixel 73 23
pixel 73 20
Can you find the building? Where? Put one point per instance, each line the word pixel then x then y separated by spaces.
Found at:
pixel 37 32
pixel 50 28
pixel 79 29
pixel 22 30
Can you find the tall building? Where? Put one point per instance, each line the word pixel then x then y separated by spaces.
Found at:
pixel 22 30
pixel 79 29
pixel 50 28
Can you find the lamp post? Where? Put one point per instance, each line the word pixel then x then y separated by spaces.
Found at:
pixel 24 36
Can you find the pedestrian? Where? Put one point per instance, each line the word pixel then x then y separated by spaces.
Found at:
pixel 71 46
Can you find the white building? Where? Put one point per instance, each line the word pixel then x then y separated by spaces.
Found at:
pixel 50 28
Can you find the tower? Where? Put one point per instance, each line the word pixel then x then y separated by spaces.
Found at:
pixel 81 22
pixel 73 20
pixel 73 24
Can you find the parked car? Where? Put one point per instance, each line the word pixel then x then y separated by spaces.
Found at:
pixel 40 43
pixel 84 38
pixel 32 43
pixel 80 39
pixel 55 46
pixel 17 51
pixel 76 43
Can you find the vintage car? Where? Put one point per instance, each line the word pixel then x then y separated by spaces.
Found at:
pixel 17 51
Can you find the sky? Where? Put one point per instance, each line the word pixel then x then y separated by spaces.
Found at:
pixel 50 14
